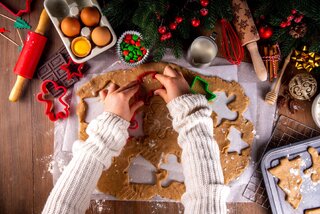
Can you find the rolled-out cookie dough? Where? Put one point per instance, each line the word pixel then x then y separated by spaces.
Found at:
pixel 290 180
pixel 160 139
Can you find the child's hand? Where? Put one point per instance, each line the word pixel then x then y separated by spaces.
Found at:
pixel 174 83
pixel 116 100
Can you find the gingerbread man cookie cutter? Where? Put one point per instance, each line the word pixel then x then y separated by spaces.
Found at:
pixel 49 109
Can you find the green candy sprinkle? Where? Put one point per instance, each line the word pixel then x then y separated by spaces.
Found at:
pixel 135 37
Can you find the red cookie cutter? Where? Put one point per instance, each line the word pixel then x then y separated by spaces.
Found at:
pixel 20 12
pixel 70 68
pixel 41 97
pixel 133 122
pixel 140 95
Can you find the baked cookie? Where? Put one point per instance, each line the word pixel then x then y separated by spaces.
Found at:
pixel 290 180
pixel 314 170
pixel 312 211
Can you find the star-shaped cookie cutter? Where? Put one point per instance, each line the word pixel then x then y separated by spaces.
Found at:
pixel 70 67
pixel 49 109
pixel 205 85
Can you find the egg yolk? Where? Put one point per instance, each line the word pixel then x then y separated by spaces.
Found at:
pixel 81 47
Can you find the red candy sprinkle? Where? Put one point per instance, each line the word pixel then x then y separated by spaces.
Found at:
pixel 132 42
pixel 125 52
pixel 138 43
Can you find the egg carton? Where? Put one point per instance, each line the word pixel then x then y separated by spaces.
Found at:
pixel 59 9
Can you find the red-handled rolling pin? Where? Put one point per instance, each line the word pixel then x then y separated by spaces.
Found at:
pixel 29 56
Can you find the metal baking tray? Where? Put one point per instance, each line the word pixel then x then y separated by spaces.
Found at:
pixel 310 192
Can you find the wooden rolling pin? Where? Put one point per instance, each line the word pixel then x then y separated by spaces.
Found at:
pixel 29 56
pixel 272 95
pixel 249 35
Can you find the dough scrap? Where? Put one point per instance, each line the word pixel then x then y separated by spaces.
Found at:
pixel 313 211
pixel 160 139
pixel 314 170
pixel 290 180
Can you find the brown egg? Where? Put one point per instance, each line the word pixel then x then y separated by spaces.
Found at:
pixel 70 26
pixel 101 36
pixel 90 16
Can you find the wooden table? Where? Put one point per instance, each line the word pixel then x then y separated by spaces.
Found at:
pixel 26 142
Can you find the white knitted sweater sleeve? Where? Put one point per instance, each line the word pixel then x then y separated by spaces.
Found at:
pixel 205 189
pixel 71 194
pixel 108 134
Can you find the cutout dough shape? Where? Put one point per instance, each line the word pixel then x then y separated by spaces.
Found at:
pixel 160 139
pixel 290 180
pixel 314 170
pixel 313 211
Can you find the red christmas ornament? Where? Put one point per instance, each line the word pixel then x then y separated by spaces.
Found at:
pixel 162 29
pixel 195 22
pixel 179 19
pixel 204 3
pixel 173 26
pixel 265 32
pixel 204 12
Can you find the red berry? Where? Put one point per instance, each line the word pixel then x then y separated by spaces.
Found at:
pixel 144 52
pixel 162 29
pixel 288 23
pixel 173 26
pixel 293 11
pixel 163 38
pixel 289 18
pixel 125 52
pixel 179 19
pixel 132 42
pixel 195 22
pixel 131 61
pixel 139 58
pixel 168 35
pixel 204 12
pixel 138 44
pixel 297 20
pixel 265 32
pixel 204 3
pixel 283 24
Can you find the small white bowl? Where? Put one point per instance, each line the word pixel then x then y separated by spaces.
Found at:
pixel 143 60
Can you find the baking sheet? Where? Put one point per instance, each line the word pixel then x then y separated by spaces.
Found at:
pixel 66 131
pixel 309 190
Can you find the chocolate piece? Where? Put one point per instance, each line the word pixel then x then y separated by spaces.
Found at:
pixel 51 70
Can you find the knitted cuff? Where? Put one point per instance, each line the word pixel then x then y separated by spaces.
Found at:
pixel 107 136
pixel 185 105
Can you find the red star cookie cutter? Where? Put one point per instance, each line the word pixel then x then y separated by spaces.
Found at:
pixel 20 12
pixel 73 69
pixel 49 111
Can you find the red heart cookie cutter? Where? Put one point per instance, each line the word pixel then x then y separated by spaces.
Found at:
pixel 49 111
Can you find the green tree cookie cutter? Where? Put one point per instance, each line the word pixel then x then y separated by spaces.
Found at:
pixel 205 85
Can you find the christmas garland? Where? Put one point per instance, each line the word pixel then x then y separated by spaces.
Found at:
pixel 166 24
pixel 290 23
